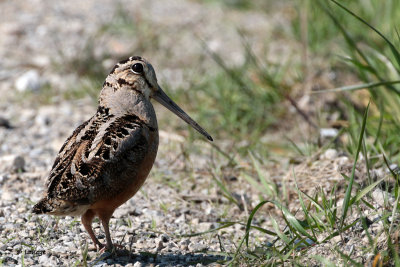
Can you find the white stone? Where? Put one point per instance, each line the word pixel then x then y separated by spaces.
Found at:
pixel 381 196
pixel 328 132
pixel 330 154
pixel 7 195
pixel 342 160
pixel 43 259
pixel 29 81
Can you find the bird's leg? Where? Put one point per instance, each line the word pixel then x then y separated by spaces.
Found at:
pixel 105 216
pixel 86 219
pixel 107 232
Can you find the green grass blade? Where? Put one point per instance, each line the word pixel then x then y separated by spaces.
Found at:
pixel 291 219
pixel 265 231
pixel 392 47
pixel 365 191
pixel 278 231
pixel 253 212
pixel 346 202
pixel 350 41
pixel 348 258
pixel 358 86
pixel 313 201
pixel 394 249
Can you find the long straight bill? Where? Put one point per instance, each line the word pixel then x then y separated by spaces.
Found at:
pixel 167 102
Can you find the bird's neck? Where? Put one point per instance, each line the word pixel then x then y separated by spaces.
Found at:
pixel 123 102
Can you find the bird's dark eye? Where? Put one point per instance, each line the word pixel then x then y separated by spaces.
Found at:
pixel 137 68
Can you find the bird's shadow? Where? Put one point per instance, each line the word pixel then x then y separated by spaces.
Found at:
pixel 124 257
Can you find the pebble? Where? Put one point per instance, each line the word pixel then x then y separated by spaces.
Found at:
pixel 19 164
pixel 165 238
pixel 29 81
pixel 195 247
pixel 381 197
pixel 5 123
pixel 328 133
pixel 100 264
pixel 330 154
pixel 43 259
pixel 7 195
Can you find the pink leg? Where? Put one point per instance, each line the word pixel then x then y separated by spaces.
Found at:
pixel 87 223
pixel 105 216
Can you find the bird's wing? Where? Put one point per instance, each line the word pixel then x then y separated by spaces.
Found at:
pixel 90 162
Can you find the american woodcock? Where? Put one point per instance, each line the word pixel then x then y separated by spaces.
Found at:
pixel 107 159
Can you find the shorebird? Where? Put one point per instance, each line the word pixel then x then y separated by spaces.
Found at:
pixel 107 159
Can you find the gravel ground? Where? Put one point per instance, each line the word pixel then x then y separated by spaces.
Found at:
pixel 180 197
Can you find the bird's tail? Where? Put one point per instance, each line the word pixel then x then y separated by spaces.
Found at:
pixel 42 206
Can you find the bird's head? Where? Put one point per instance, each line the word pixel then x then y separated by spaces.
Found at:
pixel 133 80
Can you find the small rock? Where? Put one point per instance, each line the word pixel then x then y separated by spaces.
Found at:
pixel 393 166
pixel 197 247
pixel 336 239
pixel 204 226
pixel 10 260
pixel 23 234
pixel 43 259
pixel 59 249
pixel 21 210
pixel 365 240
pixel 137 264
pixel 164 238
pixel 183 245
pixel 28 262
pixel 18 164
pixel 100 264
pixel 172 247
pixel 40 248
pixel 381 196
pixel 330 154
pixel 180 219
pixel 69 244
pixel 29 81
pixel 327 133
pixel 41 60
pixel 342 160
pixel 7 195
pixel 5 123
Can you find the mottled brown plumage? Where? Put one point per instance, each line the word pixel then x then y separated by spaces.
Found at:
pixel 107 159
